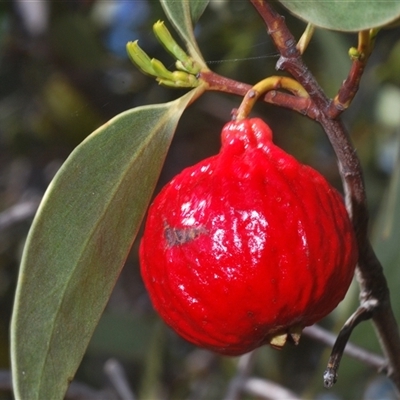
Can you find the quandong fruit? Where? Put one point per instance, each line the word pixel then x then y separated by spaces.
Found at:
pixel 247 247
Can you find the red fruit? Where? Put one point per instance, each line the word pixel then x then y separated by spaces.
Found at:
pixel 247 247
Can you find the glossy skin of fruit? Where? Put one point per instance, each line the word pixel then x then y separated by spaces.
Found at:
pixel 247 247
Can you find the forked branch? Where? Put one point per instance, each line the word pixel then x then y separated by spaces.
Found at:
pixel 363 313
pixel 373 285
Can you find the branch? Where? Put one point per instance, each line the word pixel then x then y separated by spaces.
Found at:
pixel 268 390
pixel 350 86
pixel 363 313
pixel 116 374
pixel 243 370
pixel 18 212
pixel 358 353
pixel 304 106
pixel 370 275
pixel 261 388
pixel 267 85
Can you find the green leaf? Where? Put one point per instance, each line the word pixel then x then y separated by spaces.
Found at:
pixel 79 241
pixel 182 15
pixel 345 15
pixel 197 8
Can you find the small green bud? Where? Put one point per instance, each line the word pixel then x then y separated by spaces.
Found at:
pixel 179 79
pixel 373 33
pixel 140 58
pixel 187 67
pixel 354 54
pixel 161 71
pixel 184 79
pixel 166 39
pixel 185 62
pixel 190 66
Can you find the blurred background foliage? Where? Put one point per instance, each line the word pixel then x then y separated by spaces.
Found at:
pixel 64 72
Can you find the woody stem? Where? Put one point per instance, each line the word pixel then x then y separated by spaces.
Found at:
pixel 370 275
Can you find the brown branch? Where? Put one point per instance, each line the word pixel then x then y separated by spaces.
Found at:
pixel 304 106
pixel 347 91
pixel 350 86
pixel 363 313
pixel 358 353
pixel 370 275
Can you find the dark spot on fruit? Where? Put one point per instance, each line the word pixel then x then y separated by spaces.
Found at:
pixel 250 314
pixel 179 236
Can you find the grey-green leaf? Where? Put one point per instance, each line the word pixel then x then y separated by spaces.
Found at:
pixel 79 241
pixel 182 15
pixel 345 15
pixel 197 8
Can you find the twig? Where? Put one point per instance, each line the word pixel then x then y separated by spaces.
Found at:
pixel 350 86
pixel 363 313
pixel 358 353
pixel 272 83
pixel 17 213
pixel 117 376
pixel 268 390
pixel 370 275
pixel 262 388
pixel 243 370
pixel 302 105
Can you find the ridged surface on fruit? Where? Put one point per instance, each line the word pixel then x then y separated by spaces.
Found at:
pixel 246 245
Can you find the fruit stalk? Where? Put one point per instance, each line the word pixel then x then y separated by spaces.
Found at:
pixel 370 275
pixel 264 86
pixel 218 83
